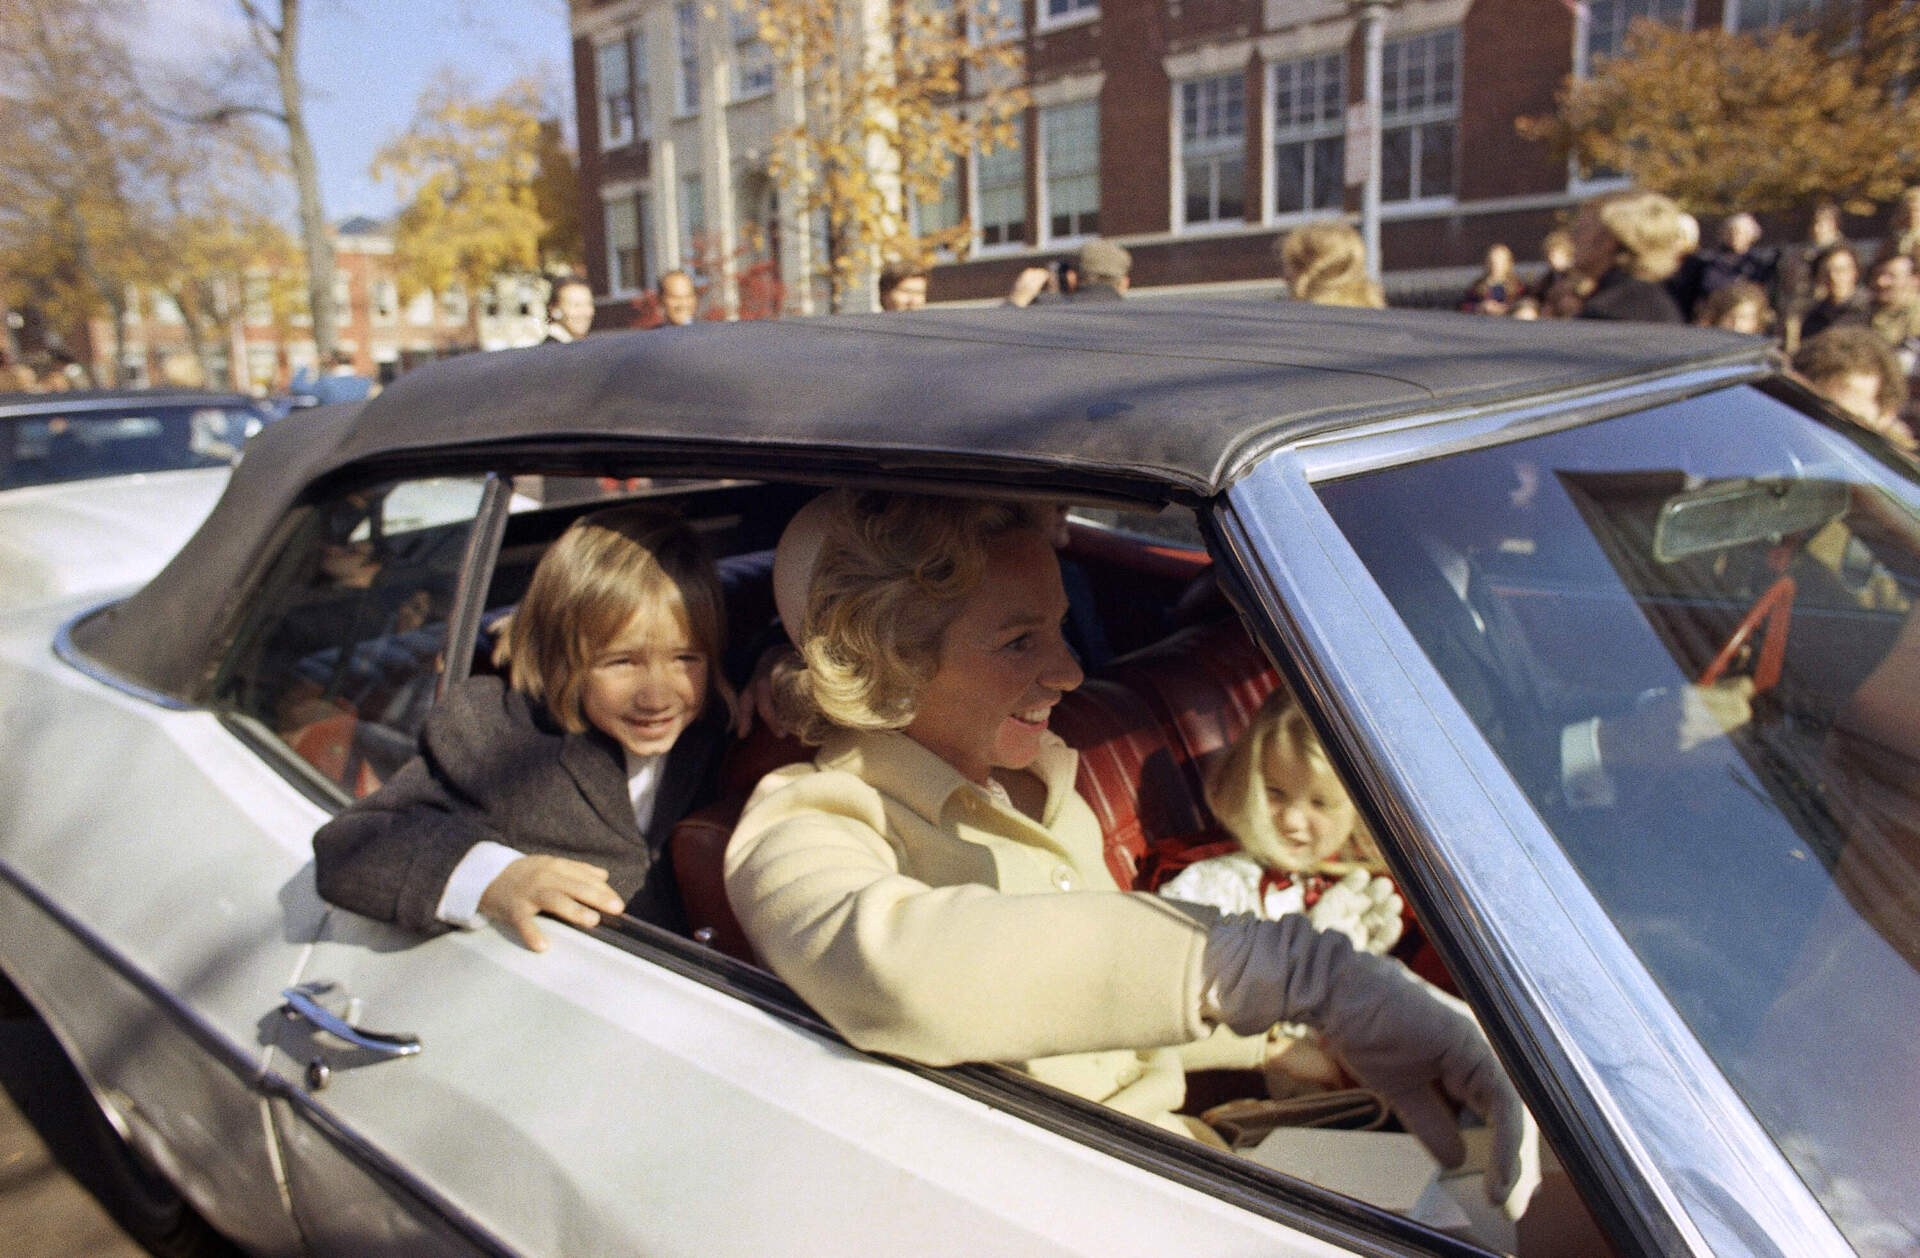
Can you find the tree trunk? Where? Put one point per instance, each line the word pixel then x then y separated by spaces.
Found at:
pixel 306 177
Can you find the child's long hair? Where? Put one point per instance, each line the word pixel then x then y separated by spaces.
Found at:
pixel 603 570
pixel 1236 787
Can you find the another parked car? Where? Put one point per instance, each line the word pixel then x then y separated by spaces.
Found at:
pixel 1470 546
pixel 99 489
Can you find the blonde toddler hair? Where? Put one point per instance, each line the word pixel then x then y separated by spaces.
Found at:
pixel 1237 788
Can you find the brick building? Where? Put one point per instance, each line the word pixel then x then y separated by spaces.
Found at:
pixel 1195 132
pixel 382 334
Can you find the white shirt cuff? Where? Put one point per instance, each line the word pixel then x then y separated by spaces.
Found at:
pixel 1583 779
pixel 460 902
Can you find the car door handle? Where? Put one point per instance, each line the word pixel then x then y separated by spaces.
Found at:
pixel 302 1002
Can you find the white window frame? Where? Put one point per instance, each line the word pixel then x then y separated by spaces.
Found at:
pixel 1079 12
pixel 384 302
pixel 974 215
pixel 1044 182
pixel 1416 118
pixel 1315 129
pixel 612 135
pixel 686 48
pixel 1211 149
pixel 752 59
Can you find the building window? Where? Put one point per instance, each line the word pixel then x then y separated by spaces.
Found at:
pixel 940 214
pixel 386 301
pixel 1419 115
pixel 1000 187
pixel 453 304
pixel 693 221
pixel 616 94
pixel 1049 13
pixel 624 250
pixel 342 296
pixel 1756 15
pixel 1309 133
pixel 420 310
pixel 1213 149
pixel 1607 20
pixel 994 21
pixel 1070 145
pixel 686 32
pixel 752 59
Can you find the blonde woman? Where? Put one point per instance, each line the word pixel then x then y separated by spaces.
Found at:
pixel 1326 263
pixel 933 885
pixel 1625 244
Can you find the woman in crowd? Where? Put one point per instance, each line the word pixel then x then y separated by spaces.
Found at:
pixel 1326 263
pixel 1625 244
pixel 1839 301
pixel 933 885
pixel 1738 307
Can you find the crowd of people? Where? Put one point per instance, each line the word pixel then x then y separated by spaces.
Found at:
pixel 1850 317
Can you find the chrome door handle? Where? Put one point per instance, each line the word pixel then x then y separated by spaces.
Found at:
pixel 302 1003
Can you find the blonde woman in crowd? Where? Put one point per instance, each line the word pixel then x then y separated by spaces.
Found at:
pixel 1326 263
pixel 1625 244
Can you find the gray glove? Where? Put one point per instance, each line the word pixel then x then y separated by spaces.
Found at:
pixel 1394 1032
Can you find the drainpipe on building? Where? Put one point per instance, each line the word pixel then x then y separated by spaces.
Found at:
pixel 1373 22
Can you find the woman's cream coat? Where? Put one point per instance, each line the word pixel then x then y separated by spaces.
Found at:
pixel 923 918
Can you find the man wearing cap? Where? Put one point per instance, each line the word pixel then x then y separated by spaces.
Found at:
pixel 1103 268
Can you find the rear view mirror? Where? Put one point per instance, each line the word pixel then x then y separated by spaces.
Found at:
pixel 1732 513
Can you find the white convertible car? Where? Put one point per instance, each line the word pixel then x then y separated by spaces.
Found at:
pixel 99 489
pixel 1474 548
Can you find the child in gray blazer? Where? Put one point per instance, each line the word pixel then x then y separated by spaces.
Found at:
pixel 555 792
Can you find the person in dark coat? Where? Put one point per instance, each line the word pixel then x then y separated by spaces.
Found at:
pixel 1627 243
pixel 1839 299
pixel 556 793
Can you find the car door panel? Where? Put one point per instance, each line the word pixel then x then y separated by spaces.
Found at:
pixel 587 1101
pixel 185 901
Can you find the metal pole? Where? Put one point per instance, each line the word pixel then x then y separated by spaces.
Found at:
pixel 1373 20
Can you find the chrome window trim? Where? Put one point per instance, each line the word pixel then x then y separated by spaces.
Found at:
pixel 1366 447
pixel 1673 1144
pixel 70 654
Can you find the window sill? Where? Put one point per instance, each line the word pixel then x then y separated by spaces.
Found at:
pixel 1046 26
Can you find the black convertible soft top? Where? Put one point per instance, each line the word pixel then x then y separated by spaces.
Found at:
pixel 1152 400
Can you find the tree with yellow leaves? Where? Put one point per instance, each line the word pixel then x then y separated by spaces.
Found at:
pixel 886 95
pixel 1726 122
pixel 467 169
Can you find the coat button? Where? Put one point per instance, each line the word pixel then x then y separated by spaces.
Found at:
pixel 1063 877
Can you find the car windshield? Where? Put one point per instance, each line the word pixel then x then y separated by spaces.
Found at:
pixel 49 448
pixel 1690 634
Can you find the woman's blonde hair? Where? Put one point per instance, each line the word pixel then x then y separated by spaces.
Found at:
pixel 1237 787
pixel 1326 263
pixel 604 570
pixel 1652 231
pixel 891 573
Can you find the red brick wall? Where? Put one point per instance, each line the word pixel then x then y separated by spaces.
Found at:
pixel 1514 54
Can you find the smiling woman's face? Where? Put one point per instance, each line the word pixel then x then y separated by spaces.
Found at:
pixel 1003 664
